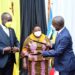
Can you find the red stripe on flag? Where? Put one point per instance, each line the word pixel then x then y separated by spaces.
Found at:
pixel 51 71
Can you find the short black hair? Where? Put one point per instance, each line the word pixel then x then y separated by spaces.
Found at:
pixel 58 20
pixel 36 25
pixel 3 15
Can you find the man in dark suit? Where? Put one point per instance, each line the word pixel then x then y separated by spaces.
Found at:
pixel 64 57
pixel 8 46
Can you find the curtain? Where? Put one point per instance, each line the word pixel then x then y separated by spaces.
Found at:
pixel 32 12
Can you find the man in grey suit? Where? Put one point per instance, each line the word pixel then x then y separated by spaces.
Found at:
pixel 8 46
pixel 62 50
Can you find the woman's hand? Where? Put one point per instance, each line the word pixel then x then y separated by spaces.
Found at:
pixel 24 66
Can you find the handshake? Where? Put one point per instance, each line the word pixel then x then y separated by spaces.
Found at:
pixel 10 49
pixel 25 53
pixel 36 52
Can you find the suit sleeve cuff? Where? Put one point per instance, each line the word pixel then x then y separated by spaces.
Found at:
pixel 1 51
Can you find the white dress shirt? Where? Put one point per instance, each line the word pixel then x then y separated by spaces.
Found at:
pixel 6 30
pixel 60 30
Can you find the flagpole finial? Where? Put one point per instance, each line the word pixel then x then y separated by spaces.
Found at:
pixel 12 7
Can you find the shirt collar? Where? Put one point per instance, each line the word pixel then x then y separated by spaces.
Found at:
pixel 3 26
pixel 60 30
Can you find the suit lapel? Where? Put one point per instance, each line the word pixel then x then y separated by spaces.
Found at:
pixel 57 40
pixel 59 37
pixel 2 31
pixel 3 36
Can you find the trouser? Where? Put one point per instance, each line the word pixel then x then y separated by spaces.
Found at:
pixel 67 73
pixel 7 70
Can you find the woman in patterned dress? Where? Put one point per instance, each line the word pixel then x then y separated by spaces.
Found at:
pixel 36 63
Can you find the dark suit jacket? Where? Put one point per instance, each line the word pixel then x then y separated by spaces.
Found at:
pixel 6 41
pixel 63 52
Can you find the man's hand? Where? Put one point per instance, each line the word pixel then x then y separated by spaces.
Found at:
pixel 15 49
pixel 6 50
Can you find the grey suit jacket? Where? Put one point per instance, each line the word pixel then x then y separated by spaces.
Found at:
pixel 6 41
